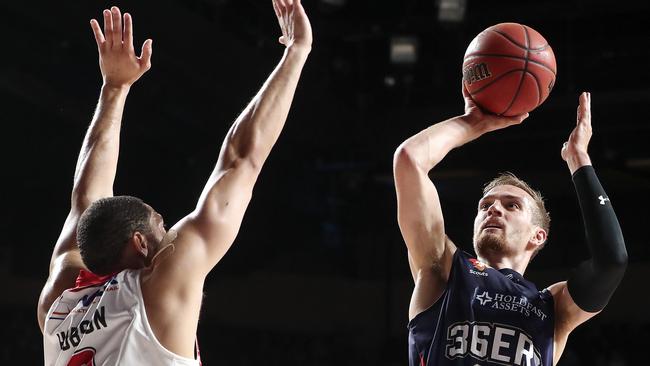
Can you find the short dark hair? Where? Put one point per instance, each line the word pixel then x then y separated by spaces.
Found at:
pixel 106 227
pixel 541 217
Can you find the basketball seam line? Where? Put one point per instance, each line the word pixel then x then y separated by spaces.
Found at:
pixel 539 88
pixel 539 91
pixel 517 43
pixel 474 55
pixel 521 79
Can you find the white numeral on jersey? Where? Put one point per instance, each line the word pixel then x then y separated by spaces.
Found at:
pixel 491 342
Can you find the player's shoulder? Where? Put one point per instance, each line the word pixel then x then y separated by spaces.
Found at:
pixel 65 270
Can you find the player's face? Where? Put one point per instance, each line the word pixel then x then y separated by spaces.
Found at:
pixel 503 223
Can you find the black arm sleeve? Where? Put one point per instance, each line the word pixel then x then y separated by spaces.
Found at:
pixel 594 281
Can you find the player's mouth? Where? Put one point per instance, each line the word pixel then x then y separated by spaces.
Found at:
pixel 492 225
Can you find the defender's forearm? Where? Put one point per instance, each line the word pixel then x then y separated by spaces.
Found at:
pixel 258 127
pixel 97 162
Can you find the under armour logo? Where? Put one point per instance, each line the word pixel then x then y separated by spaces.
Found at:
pixel 603 199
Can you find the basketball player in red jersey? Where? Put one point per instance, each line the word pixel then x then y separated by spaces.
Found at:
pixel 119 238
pixel 481 311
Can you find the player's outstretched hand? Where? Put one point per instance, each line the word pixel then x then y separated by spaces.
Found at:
pixel 295 26
pixel 486 122
pixel 581 134
pixel 117 59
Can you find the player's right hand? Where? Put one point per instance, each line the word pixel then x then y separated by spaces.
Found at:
pixel 486 122
pixel 117 60
pixel 294 23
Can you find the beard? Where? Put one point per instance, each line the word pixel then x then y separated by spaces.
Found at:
pixel 487 244
pixel 154 247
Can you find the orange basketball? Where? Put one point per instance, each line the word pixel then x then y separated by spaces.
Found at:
pixel 509 69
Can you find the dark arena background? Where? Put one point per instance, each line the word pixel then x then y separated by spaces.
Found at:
pixel 318 274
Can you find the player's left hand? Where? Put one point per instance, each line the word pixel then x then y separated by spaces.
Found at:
pixel 296 29
pixel 574 151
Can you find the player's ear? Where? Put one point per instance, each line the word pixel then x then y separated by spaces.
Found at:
pixel 539 237
pixel 139 243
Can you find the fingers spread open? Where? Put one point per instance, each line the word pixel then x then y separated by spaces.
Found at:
pixel 97 31
pixel 290 21
pixel 278 14
pixel 276 9
pixel 284 17
pixel 117 27
pixel 108 26
pixel 145 56
pixel 128 31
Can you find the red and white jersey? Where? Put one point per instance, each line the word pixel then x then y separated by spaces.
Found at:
pixel 103 322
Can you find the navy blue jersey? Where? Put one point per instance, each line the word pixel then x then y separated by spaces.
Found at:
pixel 484 317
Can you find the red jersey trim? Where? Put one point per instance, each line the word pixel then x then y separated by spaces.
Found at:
pixel 87 279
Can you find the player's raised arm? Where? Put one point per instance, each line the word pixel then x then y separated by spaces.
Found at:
pixel 173 290
pixel 97 162
pixel 419 213
pixel 591 285
pixel 212 227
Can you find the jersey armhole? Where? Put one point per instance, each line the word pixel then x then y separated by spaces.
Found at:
pixel 454 262
pixel 145 323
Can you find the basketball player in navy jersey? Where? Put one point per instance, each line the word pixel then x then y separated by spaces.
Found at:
pixel 119 238
pixel 481 311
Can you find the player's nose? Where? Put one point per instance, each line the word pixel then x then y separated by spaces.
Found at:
pixel 495 209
